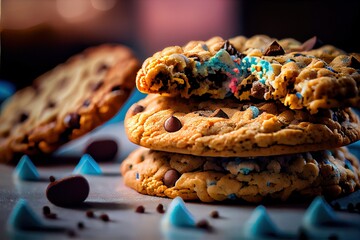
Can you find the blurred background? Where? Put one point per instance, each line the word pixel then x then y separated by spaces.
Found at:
pixel 36 35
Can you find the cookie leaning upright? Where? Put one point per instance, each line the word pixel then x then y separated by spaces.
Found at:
pixel 67 102
pixel 255 69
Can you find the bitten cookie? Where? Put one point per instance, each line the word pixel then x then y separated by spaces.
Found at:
pixel 228 127
pixel 330 173
pixel 240 67
pixel 67 102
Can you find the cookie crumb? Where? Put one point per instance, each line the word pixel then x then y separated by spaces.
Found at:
pixel 52 179
pixel 140 209
pixel 214 214
pixel 80 225
pixel 90 214
pixel 104 217
pixel 160 208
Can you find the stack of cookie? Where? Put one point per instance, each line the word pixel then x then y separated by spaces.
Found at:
pixel 247 118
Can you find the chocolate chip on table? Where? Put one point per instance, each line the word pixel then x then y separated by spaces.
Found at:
pixel 137 109
pixel 219 113
pixel 274 49
pixel 160 208
pixel 170 177
pixel 80 225
pixel 102 150
pixel 172 124
pixel 214 214
pixel 204 224
pixel 140 209
pixel 52 179
pixel 51 216
pixel 69 191
pixel 90 214
pixel 72 121
pixel 104 217
pixel 46 210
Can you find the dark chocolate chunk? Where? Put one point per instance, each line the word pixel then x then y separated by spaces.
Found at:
pixel 274 49
pixel 354 63
pixel 104 217
pixel 160 208
pixel 69 191
pixel 90 214
pixel 258 90
pixel 219 113
pixel 23 117
pixel 172 124
pixel 52 179
pixel 232 50
pixel 170 177
pixel 46 210
pixel 214 214
pixel 137 109
pixel 140 209
pixel 72 121
pixel 311 43
pixel 204 224
pixel 102 150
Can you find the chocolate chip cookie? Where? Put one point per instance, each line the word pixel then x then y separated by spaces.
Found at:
pixel 67 102
pixel 227 127
pixel 293 73
pixel 331 173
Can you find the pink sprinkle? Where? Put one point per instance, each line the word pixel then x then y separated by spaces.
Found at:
pixel 237 60
pixel 236 70
pixel 233 85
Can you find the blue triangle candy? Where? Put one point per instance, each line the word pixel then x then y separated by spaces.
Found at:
pixel 23 217
pixel 87 165
pixel 178 215
pixel 26 170
pixel 259 224
pixel 319 213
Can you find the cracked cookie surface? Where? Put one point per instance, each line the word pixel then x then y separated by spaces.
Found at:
pixel 228 127
pixel 255 68
pixel 67 102
pixel 329 173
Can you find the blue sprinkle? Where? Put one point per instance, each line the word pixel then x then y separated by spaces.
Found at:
pixel 298 95
pixel 298 55
pixel 255 111
pixel 232 196
pixel 290 60
pixel 245 171
pixel 331 69
pixel 348 165
pixel 268 184
pixel 137 176
pixel 212 183
pixel 262 81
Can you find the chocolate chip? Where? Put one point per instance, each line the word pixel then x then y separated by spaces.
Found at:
pixel 258 90
pixel 137 109
pixel 232 50
pixel 46 210
pixel 90 214
pixel 214 214
pixel 172 124
pixel 170 177
pixel 102 150
pixel 97 86
pixel 274 49
pixel 311 43
pixel 69 191
pixel 140 209
pixel 23 117
pixel 160 208
pixel 104 217
pixel 219 113
pixel 204 224
pixel 52 179
pixel 103 67
pixel 80 225
pixel 354 63
pixel 72 121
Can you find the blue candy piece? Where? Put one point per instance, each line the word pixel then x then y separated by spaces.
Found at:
pixel 87 165
pixel 259 224
pixel 178 215
pixel 6 90
pixel 26 170
pixel 23 217
pixel 319 213
pixel 255 111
